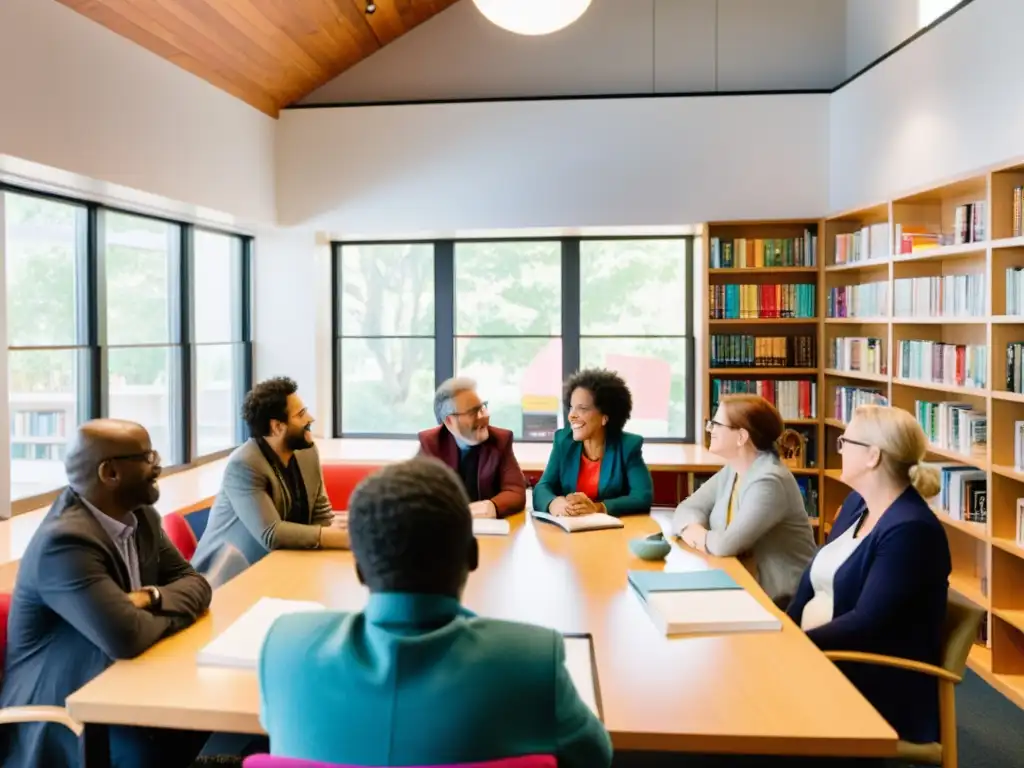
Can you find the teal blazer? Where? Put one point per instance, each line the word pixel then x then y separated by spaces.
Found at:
pixel 419 680
pixel 625 484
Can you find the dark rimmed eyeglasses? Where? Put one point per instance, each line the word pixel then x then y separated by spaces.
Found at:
pixel 150 457
pixel 843 440
pixel 474 412
pixel 710 424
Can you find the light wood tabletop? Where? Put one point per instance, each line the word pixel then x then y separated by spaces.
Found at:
pixel 754 693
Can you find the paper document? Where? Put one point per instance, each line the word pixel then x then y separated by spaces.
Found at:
pixel 709 611
pixel 579 660
pixel 490 526
pixel 593 522
pixel 239 645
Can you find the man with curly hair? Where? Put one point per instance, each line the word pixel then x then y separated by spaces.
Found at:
pixel 272 496
pixel 415 678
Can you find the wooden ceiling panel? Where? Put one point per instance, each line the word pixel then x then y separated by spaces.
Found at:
pixel 269 53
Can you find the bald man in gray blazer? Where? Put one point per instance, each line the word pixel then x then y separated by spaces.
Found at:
pixel 272 496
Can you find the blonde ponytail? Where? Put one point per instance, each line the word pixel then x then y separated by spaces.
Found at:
pixel 925 480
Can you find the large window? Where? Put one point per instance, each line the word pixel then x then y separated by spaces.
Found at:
pixel 517 316
pixel 114 314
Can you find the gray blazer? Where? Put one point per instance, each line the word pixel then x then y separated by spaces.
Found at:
pixel 250 510
pixel 769 522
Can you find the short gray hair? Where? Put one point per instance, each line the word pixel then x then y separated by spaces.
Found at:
pixel 444 398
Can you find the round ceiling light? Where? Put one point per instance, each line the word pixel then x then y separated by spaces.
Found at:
pixel 532 17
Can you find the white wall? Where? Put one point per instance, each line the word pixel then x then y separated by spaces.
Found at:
pixel 79 98
pixel 617 46
pixel 947 104
pixel 447 168
pixel 874 27
pixel 5 415
pixel 292 321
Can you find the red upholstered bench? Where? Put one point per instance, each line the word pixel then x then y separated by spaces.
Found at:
pixel 341 479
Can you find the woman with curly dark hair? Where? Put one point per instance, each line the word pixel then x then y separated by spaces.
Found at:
pixel 594 465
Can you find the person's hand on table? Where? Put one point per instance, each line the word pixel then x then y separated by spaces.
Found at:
pixel 483 508
pixel 340 520
pixel 696 536
pixel 580 504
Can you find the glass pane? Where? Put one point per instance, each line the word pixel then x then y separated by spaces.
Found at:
pixel 633 287
pixel 657 375
pixel 218 396
pixel 387 385
pixel 43 242
pixel 138 281
pixel 139 390
pixel 44 414
pixel 508 289
pixel 521 379
pixel 387 290
pixel 217 287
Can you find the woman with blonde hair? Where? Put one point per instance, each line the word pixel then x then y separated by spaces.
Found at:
pixel 879 584
pixel 753 506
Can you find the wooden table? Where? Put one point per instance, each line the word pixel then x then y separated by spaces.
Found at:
pixel 758 693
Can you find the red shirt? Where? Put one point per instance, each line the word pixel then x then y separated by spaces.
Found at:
pixel 589 477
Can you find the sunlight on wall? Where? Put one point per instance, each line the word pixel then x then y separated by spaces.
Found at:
pixel 929 10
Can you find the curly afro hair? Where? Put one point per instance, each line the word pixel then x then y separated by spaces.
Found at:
pixel 265 401
pixel 611 395
pixel 411 529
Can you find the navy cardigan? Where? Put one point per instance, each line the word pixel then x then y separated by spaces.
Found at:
pixel 890 598
pixel 625 485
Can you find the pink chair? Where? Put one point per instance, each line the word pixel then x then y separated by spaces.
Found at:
pixel 180 532
pixel 526 761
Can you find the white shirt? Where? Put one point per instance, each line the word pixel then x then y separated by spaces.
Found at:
pixel 819 609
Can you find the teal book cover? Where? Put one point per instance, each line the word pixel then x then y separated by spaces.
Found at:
pixel 681 581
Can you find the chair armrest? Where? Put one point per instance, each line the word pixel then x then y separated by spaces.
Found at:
pixel 40 714
pixel 894 661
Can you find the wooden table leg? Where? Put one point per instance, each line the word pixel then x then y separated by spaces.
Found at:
pixel 96 746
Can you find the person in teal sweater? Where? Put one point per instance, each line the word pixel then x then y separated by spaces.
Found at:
pixel 594 465
pixel 415 678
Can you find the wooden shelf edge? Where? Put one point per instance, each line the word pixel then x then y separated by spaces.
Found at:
pixel 972 461
pixel 866 264
pixel 969 588
pixel 952 389
pixel 762 270
pixel 977 530
pixel 1014 617
pixel 764 370
pixel 1011 686
pixel 942 252
pixel 857 320
pixel 880 378
pixel 1009 546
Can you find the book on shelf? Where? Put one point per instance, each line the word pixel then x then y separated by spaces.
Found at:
pixel 756 252
pixel 794 398
pixel 969 222
pixel 864 300
pixel 968 227
pixel 848 399
pixel 867 244
pixel 953 426
pixel 1018 446
pixel 1020 521
pixel 1017 232
pixel 940 296
pixel 963 493
pixel 857 354
pixel 808 489
pixel 748 351
pixel 960 365
pixel 595 521
pixel 1015 290
pixel 761 301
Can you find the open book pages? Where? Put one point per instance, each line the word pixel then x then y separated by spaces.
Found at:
pixel 579 660
pixel 239 645
pixel 594 522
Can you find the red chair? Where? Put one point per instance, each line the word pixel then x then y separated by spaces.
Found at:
pixel 526 761
pixel 180 532
pixel 35 714
pixel 341 479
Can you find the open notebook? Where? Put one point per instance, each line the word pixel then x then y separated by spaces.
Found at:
pixel 490 526
pixel 579 660
pixel 594 522
pixel 706 602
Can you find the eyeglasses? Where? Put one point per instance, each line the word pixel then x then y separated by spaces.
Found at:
pixel 474 412
pixel 150 457
pixel 843 440
pixel 710 424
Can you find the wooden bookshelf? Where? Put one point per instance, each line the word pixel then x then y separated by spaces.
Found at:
pixel 988 562
pixel 763 322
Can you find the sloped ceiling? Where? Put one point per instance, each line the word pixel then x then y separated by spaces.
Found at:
pixel 269 53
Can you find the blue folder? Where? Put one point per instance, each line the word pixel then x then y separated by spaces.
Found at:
pixel 680 581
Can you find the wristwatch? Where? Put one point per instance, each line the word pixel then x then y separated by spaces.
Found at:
pixel 154 593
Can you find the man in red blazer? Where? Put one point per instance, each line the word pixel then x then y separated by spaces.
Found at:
pixel 480 454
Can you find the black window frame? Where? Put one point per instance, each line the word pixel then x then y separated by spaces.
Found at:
pixel 92 334
pixel 445 338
